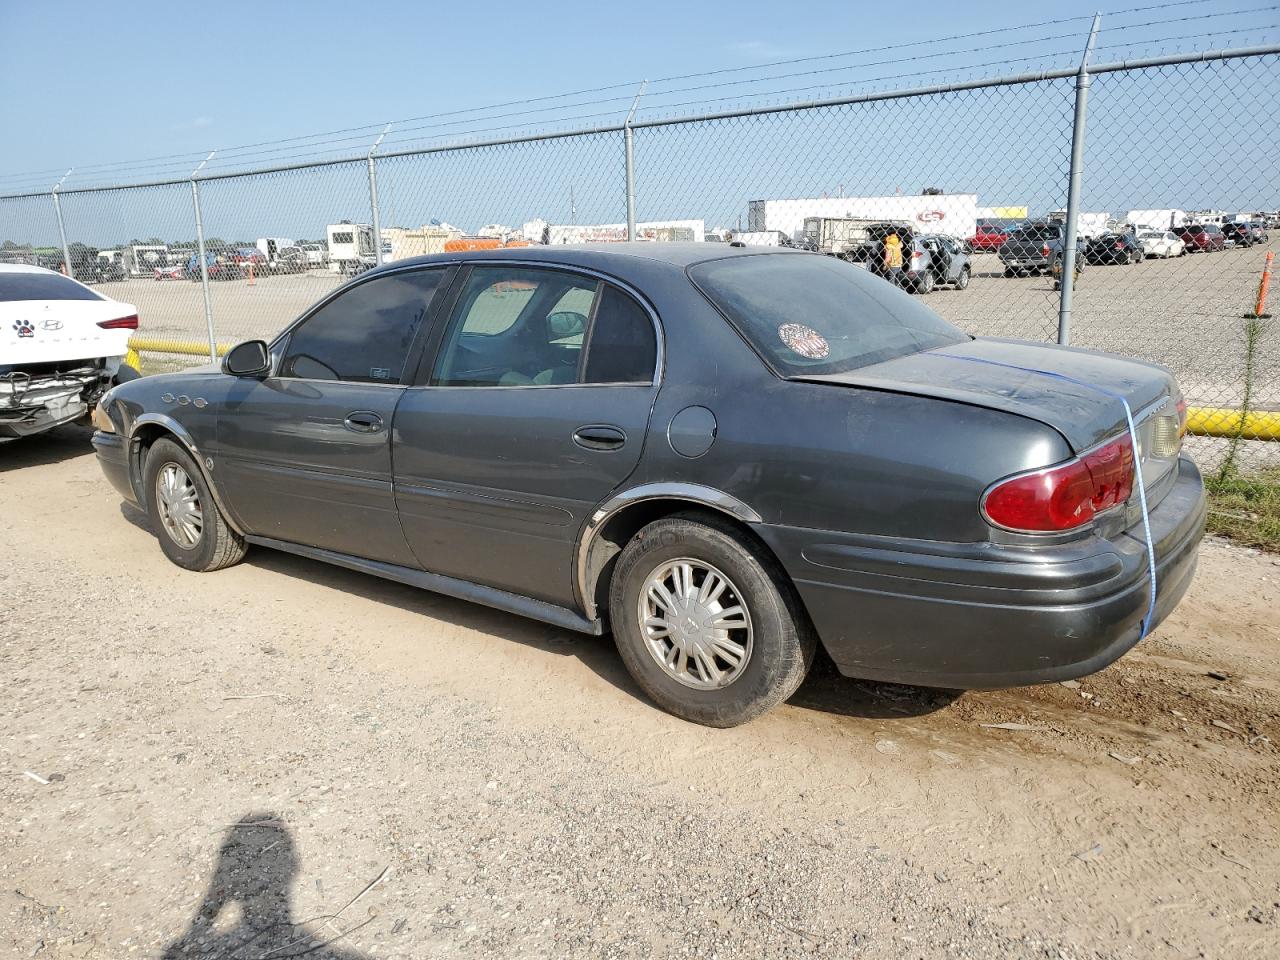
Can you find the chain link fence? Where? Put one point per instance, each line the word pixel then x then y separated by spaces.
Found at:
pixel 1175 150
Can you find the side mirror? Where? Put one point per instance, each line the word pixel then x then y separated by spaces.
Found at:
pixel 566 323
pixel 248 359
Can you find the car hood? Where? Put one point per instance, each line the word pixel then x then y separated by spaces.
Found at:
pixel 1085 416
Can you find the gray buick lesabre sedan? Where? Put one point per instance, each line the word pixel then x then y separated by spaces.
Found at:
pixel 724 456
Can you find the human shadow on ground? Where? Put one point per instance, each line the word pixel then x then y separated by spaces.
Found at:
pixel 257 865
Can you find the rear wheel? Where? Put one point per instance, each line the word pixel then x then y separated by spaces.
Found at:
pixel 190 527
pixel 926 282
pixel 706 622
pixel 962 281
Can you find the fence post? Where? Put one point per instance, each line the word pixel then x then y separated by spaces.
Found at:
pixel 628 141
pixel 1068 255
pixel 204 266
pixel 62 230
pixel 373 198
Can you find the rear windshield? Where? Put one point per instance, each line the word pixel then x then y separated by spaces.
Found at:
pixel 809 314
pixel 21 285
pixel 1038 232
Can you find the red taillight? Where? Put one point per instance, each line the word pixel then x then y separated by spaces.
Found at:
pixel 121 323
pixel 1044 251
pixel 1065 496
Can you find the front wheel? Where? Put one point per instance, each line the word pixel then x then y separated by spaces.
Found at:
pixel 191 529
pixel 706 621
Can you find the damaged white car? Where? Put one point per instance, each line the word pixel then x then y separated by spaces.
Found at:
pixel 61 347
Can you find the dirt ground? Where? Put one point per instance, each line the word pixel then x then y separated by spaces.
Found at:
pixel 288 759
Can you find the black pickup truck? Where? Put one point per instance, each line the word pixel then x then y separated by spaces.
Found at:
pixel 1032 248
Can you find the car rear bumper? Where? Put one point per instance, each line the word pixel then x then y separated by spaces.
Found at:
pixel 978 616
pixel 113 457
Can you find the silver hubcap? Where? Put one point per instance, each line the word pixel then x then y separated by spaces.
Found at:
pixel 695 624
pixel 178 503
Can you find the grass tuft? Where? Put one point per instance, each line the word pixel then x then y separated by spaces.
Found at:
pixel 1246 509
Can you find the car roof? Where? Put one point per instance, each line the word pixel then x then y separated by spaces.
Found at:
pixel 603 255
pixel 25 268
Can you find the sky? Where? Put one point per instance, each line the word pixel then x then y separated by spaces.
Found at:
pixel 131 95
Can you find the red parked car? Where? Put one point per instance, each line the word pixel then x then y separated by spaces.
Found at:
pixel 1201 238
pixel 990 236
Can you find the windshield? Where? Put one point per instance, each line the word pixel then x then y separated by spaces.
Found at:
pixel 810 314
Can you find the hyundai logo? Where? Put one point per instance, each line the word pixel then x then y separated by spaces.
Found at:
pixel 51 325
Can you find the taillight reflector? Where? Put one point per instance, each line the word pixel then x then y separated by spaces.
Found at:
pixel 121 323
pixel 1065 496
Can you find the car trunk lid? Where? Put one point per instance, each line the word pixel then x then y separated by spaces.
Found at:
pixel 1082 408
pixel 48 331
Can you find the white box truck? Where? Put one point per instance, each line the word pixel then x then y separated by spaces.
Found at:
pixel 952 215
pixel 351 249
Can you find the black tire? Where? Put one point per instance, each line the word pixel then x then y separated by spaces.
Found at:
pixel 1010 272
pixel 926 283
pixel 962 281
pixel 783 641
pixel 217 545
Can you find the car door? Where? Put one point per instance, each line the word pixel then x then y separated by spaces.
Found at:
pixel 532 410
pixel 305 454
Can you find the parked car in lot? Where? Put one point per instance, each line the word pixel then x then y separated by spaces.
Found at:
pixel 1033 247
pixel 1161 243
pixel 725 456
pixel 170 271
pixel 1238 233
pixel 1201 237
pixel 219 265
pixel 61 346
pixel 990 237
pixel 1114 248
pixel 928 260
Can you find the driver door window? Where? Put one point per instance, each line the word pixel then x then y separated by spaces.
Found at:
pixel 364 334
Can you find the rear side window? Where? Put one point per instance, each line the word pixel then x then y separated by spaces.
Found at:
pixel 623 347
pixel 364 334
pixel 20 285
pixel 810 314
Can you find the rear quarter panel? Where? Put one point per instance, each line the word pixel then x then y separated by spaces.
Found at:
pixel 828 456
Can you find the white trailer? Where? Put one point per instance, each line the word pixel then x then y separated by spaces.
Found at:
pixel 952 215
pixel 1088 225
pixel 142 259
pixel 668 230
pixel 1156 219
pixel 351 247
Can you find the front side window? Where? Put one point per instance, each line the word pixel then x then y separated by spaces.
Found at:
pixel 810 314
pixel 364 334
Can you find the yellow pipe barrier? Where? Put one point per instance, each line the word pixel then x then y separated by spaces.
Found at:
pixel 1222 422
pixel 188 348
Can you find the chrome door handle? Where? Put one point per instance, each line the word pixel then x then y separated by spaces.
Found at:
pixel 362 421
pixel 599 436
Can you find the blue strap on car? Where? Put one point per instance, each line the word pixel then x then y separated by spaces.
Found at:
pixel 1149 619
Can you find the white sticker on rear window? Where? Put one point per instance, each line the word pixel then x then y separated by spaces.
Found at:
pixel 805 341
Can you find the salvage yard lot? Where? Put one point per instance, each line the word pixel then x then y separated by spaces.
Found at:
pixel 513 794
